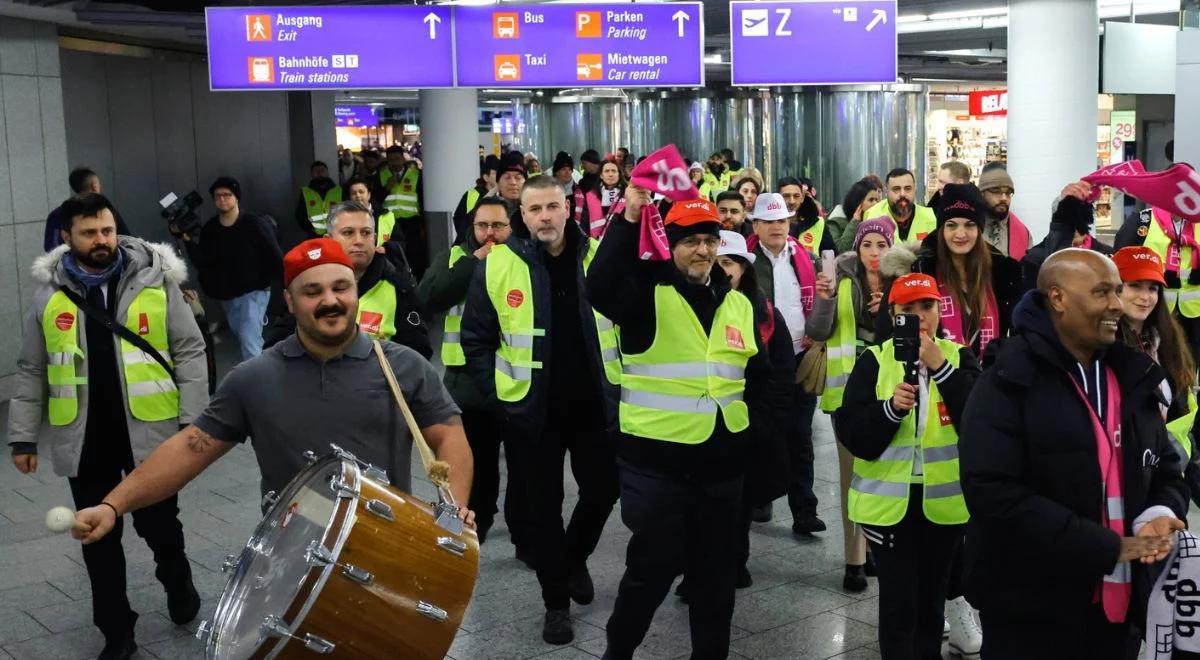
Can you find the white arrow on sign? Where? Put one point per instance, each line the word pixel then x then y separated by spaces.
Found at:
pixel 680 17
pixel 432 19
pixel 880 17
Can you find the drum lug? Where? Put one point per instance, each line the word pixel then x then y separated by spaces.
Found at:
pixel 432 611
pixel 229 564
pixel 269 499
pixel 204 631
pixel 341 488
pixel 342 453
pixel 452 545
pixel 310 456
pixel 377 474
pixel 273 625
pixel 446 517
pixel 381 509
pixel 318 555
pixel 357 574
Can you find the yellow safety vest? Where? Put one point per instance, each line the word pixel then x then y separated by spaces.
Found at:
pixel 452 351
pixel 401 199
pixel 1180 430
pixel 1186 298
pixel 510 290
pixel 841 349
pixel 387 224
pixel 673 390
pixel 715 185
pixel 811 238
pixel 879 490
pixel 472 198
pixel 385 176
pixel 151 394
pixel 317 207
pixel 924 221
pixel 377 310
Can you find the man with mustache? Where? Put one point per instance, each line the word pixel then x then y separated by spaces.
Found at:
pixel 1069 475
pixel 294 397
pixel 1004 231
pixel 98 404
pixel 806 224
pixel 911 219
pixel 533 343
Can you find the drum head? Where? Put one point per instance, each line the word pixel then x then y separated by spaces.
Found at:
pixel 273 569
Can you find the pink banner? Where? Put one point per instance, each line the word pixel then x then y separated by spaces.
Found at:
pixel 652 242
pixel 665 173
pixel 1175 189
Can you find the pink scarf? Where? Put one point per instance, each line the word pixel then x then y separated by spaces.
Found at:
pixel 1116 589
pixel 1018 238
pixel 1188 239
pixel 806 272
pixel 952 321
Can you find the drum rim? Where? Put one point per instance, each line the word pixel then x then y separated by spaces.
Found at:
pixel 222 611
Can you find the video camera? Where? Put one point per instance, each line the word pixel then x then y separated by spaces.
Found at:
pixel 906 339
pixel 180 213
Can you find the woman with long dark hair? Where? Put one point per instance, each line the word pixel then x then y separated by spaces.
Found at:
pixel 602 198
pixel 749 188
pixel 843 220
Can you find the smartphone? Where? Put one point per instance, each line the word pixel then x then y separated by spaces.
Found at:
pixel 906 341
pixel 828 264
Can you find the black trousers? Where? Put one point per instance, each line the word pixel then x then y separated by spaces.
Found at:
pixel 593 464
pixel 801 498
pixel 679 526
pixel 104 463
pixel 914 560
pixel 485 435
pixel 1093 638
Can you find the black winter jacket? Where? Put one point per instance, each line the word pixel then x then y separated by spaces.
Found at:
pixel 621 287
pixel 1035 547
pixel 481 338
pixel 770 403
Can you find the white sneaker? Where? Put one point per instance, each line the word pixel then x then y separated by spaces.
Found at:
pixel 966 637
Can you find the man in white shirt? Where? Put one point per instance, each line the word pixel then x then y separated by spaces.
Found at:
pixel 787 277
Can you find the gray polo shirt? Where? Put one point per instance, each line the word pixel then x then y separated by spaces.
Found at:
pixel 287 402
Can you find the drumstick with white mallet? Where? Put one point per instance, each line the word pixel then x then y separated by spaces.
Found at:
pixel 61 519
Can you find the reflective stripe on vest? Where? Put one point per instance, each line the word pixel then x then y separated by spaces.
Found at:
pixel 386 225
pixel 879 491
pixel 452 351
pixel 1186 298
pixel 1180 430
pixel 317 207
pixel 377 310
pixel 924 221
pixel 401 199
pixel 511 293
pixel 841 349
pixel 674 390
pixel 811 238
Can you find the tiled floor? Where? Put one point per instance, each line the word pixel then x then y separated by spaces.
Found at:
pixel 795 608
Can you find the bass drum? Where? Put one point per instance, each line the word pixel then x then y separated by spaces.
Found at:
pixel 344 565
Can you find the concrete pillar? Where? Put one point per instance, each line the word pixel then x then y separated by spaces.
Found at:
pixel 1053 61
pixel 450 156
pixel 1187 97
pixel 313 134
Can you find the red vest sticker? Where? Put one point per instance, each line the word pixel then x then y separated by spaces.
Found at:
pixel 921 236
pixel 943 414
pixel 143 324
pixel 64 321
pixel 370 322
pixel 312 202
pixel 807 238
pixel 733 337
pixel 515 298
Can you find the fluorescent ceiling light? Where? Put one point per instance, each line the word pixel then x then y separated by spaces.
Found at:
pixel 997 17
pixel 714 58
pixel 911 18
pixel 970 13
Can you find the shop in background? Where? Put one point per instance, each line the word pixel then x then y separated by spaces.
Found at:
pixel 970 127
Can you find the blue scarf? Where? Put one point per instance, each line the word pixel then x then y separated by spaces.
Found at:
pixel 90 280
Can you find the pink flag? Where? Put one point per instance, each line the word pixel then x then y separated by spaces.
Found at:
pixel 652 243
pixel 665 173
pixel 1175 189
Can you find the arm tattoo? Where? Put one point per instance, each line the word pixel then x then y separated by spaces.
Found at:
pixel 199 441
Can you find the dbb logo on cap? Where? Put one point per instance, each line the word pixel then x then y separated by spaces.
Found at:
pixel 961 205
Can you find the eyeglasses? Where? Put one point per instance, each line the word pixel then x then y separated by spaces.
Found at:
pixel 1002 192
pixel 222 195
pixel 494 226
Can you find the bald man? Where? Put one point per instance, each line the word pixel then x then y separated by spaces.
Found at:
pixel 1071 481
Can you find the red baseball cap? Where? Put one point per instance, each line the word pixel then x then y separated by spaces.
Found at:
pixel 1137 263
pixel 313 252
pixel 913 287
pixel 692 212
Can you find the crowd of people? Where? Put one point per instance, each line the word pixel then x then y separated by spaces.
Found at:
pixel 1014 421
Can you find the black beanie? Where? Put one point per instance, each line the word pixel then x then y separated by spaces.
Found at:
pixel 229 183
pixel 590 156
pixel 962 200
pixel 563 159
pixel 1074 213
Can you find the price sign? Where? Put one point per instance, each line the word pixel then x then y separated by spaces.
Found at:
pixel 1124 125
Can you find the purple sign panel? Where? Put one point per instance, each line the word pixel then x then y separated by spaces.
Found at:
pixel 348 47
pixel 355 115
pixel 813 42
pixel 580 45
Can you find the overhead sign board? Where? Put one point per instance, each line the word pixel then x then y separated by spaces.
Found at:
pixel 798 42
pixel 580 45
pixel 343 47
pixel 988 103
pixel 355 115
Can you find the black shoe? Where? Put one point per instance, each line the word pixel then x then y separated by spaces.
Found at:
pixel 121 648
pixel 761 514
pixel 743 578
pixel 681 591
pixel 869 567
pixel 557 629
pixel 525 556
pixel 807 525
pixel 580 584
pixel 183 602
pixel 855 580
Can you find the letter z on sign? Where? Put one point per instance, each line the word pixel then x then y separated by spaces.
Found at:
pixel 756 23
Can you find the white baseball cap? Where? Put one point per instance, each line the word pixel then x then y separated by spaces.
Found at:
pixel 734 244
pixel 770 206
pixel 695 166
